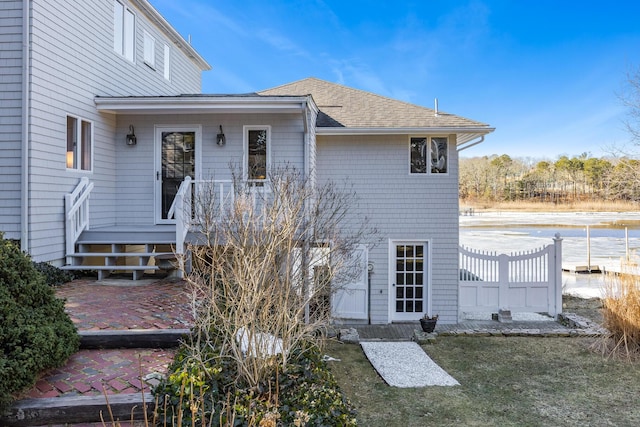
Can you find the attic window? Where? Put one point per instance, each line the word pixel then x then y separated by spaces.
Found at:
pixel 429 155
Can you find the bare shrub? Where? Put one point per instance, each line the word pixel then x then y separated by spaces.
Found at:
pixel 270 256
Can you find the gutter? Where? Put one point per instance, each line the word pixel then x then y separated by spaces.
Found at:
pixel 25 149
pixel 470 144
pixel 403 130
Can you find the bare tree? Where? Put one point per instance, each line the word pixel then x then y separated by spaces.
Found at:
pixel 630 98
pixel 270 256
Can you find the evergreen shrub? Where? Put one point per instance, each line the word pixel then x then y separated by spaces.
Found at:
pixel 35 332
pixel 208 391
pixel 53 275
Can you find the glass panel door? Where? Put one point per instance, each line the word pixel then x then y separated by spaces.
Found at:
pixel 177 162
pixel 409 284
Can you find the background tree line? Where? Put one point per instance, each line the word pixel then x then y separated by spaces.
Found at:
pixel 579 178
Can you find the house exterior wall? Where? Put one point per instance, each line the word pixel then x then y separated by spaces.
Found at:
pixel 400 206
pixel 72 61
pixel 10 117
pixel 136 166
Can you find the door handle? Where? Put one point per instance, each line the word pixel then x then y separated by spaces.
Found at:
pixel 158 175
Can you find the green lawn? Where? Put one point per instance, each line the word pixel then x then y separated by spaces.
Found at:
pixel 514 381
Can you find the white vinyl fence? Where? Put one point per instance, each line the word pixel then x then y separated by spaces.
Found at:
pixel 529 281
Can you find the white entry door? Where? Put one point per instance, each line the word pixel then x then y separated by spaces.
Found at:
pixel 176 158
pixel 409 280
pixel 351 301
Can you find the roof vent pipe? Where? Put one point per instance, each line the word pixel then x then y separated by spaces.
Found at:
pixel 436 102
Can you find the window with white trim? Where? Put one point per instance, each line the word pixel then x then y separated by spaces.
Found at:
pixel 79 144
pixel 257 152
pixel 149 50
pixel 124 21
pixel 428 154
pixel 167 62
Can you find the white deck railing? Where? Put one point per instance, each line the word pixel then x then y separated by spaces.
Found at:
pixel 529 281
pixel 196 199
pixel 76 214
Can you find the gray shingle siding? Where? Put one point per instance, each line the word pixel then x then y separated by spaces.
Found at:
pixel 400 206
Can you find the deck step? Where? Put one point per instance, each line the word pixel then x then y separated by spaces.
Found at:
pixel 127 237
pixel 138 244
pixel 120 254
pixel 110 267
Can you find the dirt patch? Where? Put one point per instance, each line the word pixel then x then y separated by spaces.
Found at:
pixel 591 308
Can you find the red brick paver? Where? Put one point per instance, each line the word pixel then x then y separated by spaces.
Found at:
pixel 87 372
pixel 116 305
pixel 94 305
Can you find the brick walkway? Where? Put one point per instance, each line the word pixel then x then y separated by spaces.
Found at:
pixel 90 372
pixel 125 304
pixel 116 305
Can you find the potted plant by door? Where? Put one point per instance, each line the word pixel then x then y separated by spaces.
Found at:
pixel 428 323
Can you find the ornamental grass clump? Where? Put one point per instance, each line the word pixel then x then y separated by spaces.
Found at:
pixel 621 313
pixel 35 332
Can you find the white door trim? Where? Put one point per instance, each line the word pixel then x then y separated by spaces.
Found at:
pixel 396 317
pixel 157 137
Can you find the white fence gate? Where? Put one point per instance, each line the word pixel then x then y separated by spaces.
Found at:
pixel 521 282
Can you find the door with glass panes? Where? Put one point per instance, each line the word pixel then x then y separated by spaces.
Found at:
pixel 409 280
pixel 176 159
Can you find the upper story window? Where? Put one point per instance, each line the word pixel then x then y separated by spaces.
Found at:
pixel 429 154
pixel 124 23
pixel 257 152
pixel 149 50
pixel 79 143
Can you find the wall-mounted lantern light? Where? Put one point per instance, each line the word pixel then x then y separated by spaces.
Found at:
pixel 220 138
pixel 131 136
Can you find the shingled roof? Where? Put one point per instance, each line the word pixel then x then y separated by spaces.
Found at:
pixel 344 107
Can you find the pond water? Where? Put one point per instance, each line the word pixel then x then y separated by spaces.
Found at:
pixel 613 237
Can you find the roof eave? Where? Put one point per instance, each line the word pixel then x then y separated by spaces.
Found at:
pixel 201 104
pixel 174 36
pixel 465 133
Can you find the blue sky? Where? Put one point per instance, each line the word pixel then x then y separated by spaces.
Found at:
pixel 546 74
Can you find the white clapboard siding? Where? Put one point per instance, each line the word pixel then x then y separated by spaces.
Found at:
pixel 72 61
pixel 10 114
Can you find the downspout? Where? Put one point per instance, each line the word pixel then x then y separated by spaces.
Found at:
pixel 26 105
pixel 471 144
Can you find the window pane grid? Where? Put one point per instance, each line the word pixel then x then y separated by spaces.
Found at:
pixel 409 279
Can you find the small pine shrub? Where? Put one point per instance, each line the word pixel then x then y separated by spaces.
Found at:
pixel 35 332
pixel 53 275
pixel 207 392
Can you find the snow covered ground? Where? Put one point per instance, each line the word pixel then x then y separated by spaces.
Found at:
pixel 506 232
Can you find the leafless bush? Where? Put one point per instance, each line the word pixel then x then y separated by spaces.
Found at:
pixel 270 255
